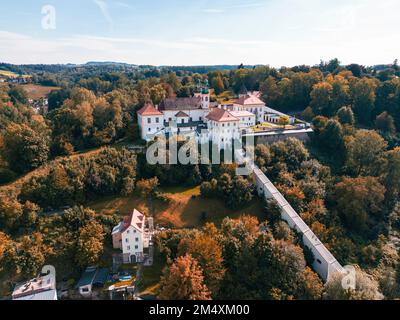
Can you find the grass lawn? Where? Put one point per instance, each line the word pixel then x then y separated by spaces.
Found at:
pixel 183 211
pixel 36 92
pixel 11 74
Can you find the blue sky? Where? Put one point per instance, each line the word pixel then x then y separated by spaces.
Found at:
pixel 202 32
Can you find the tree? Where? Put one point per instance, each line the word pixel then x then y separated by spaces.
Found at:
pixel 284 121
pixel 5 242
pixel 321 99
pixel 391 176
pixel 385 123
pixel 208 252
pixel 346 115
pixel 218 85
pixel 365 153
pixel 241 193
pixel 90 244
pixel 183 280
pixel 333 136
pixel 18 95
pixel 366 288
pixel 27 256
pixel 358 201
pixel 148 188
pixel 11 212
pixel 25 147
pixel 363 94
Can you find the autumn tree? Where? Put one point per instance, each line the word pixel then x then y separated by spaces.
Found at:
pixel 26 147
pixel 26 256
pixel 321 99
pixel 365 151
pixel 358 201
pixel 184 280
pixel 208 252
pixel 90 244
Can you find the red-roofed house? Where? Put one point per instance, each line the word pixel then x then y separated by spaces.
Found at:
pixel 252 103
pixel 223 127
pixel 130 236
pixel 150 120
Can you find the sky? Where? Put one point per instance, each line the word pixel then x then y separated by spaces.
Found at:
pixel 200 32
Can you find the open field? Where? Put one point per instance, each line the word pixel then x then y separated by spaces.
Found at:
pixel 11 74
pixel 185 208
pixel 36 92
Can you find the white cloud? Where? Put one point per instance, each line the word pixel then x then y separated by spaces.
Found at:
pixel 103 6
pixel 201 50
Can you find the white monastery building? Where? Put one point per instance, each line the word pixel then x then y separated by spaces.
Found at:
pixel 194 117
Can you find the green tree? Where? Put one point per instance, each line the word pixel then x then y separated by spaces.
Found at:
pixel 385 123
pixel 363 94
pixel 25 147
pixel 365 153
pixel 359 202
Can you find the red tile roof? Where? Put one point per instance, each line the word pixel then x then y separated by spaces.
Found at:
pixel 149 110
pixel 135 220
pixel 221 115
pixel 249 100
pixel 191 103
pixel 181 114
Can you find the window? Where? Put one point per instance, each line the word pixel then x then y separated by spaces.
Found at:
pixel 319 261
pixel 148 120
pixel 149 129
pixel 183 121
pixel 157 120
pixel 128 247
pixel 137 239
pixel 136 247
pixel 126 240
pixel 128 232
pixel 85 289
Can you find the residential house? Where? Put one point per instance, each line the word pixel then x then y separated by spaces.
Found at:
pixel 131 237
pixel 42 287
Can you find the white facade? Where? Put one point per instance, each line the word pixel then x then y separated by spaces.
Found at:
pixel 130 236
pixel 190 117
pixel 150 125
pixel 247 119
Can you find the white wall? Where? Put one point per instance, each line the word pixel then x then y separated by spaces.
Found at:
pixel 148 129
pixel 129 242
pixel 325 263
